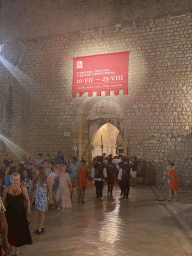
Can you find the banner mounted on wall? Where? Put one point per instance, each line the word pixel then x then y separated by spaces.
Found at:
pixel 103 72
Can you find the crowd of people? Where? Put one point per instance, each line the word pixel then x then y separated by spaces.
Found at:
pixel 49 180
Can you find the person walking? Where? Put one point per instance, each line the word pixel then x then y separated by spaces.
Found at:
pixel 173 184
pixel 27 182
pixel 63 197
pixel 134 170
pixel 40 160
pixel 4 244
pixel 43 197
pixel 2 176
pixel 98 172
pixel 16 213
pixel 119 178
pixel 112 172
pixel 124 176
pixel 48 166
pixel 72 170
pixel 59 158
pixel 54 176
pixel 165 187
pixel 6 161
pixel 82 181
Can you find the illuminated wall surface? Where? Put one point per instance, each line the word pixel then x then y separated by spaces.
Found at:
pixel 39 41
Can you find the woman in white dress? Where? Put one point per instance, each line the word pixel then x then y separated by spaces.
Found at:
pixel 63 195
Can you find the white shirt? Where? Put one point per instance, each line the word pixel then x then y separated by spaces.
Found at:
pixel 116 161
pixel 93 174
pixel 120 174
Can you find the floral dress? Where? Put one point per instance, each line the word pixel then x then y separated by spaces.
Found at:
pixel 41 197
pixel 28 184
pixel 63 192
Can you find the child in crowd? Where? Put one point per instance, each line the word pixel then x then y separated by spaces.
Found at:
pixel 54 176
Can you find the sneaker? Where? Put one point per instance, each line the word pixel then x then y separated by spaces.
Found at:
pixel 58 208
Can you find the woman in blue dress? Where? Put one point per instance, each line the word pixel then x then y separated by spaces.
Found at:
pixel 43 197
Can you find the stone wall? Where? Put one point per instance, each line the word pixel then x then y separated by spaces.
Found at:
pixel 42 115
pixel 26 19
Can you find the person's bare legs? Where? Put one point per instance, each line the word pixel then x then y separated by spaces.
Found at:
pixel 83 195
pixel 71 192
pixel 62 207
pixel 41 220
pixel 71 195
pixel 169 198
pixel 79 192
pixel 16 252
pixel 73 183
pixel 62 210
pixel 176 198
pixel 58 204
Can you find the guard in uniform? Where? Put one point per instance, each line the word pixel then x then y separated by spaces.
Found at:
pixel 98 172
pixel 125 176
pixel 112 173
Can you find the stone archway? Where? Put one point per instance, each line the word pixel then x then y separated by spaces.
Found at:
pixel 92 114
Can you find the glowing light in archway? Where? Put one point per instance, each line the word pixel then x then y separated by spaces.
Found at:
pixel 106 135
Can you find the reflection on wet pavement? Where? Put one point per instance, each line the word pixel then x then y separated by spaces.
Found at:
pixel 108 226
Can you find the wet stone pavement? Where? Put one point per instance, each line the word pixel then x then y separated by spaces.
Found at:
pixel 138 226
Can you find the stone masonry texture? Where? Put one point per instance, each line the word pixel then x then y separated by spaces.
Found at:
pixel 38 43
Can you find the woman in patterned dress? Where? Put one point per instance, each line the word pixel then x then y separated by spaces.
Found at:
pixel 26 181
pixel 43 197
pixel 63 194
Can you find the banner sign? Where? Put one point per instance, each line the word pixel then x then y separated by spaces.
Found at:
pixel 103 72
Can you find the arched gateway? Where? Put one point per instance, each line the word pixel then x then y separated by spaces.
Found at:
pixel 93 114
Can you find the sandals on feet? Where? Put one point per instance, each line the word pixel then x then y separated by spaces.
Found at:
pixel 37 231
